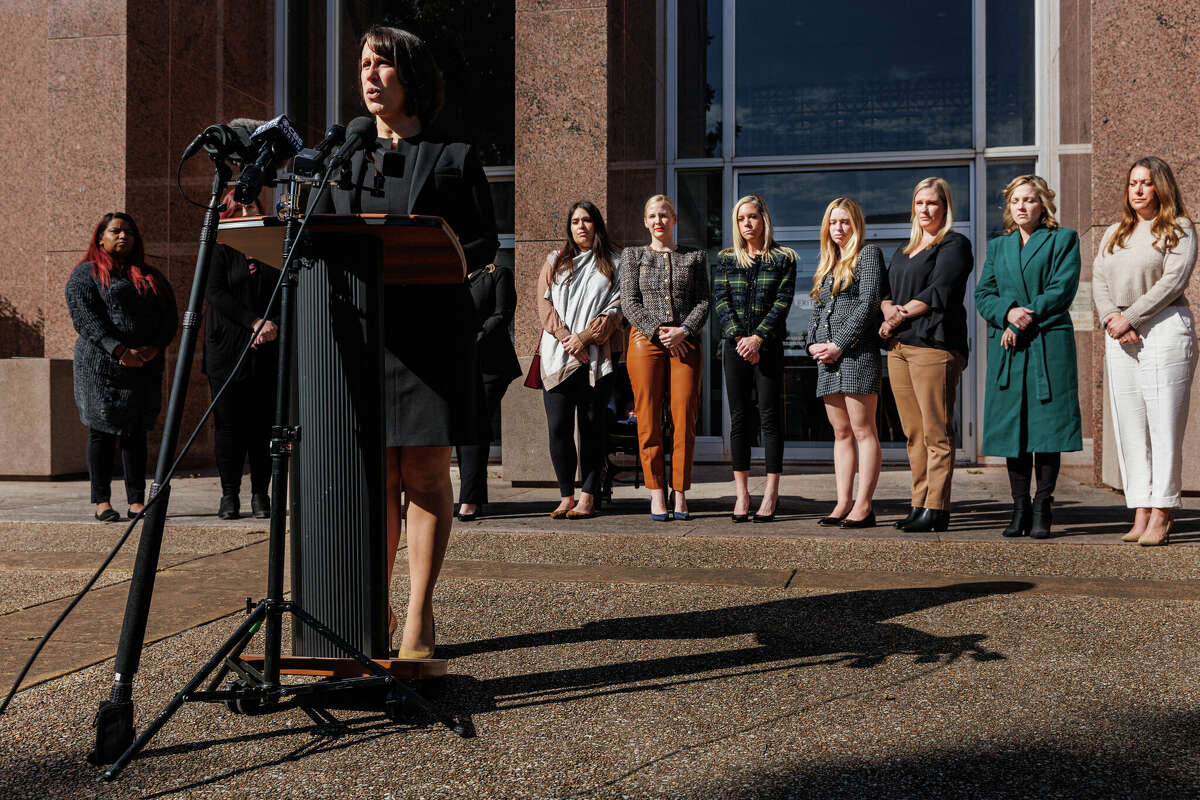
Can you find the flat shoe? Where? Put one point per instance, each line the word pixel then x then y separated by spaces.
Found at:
pixel 866 522
pixel 765 517
pixel 108 515
pixel 740 517
pixel 666 516
pixel 830 521
pixel 681 515
pixel 560 513
pixel 471 517
pixel 1131 537
pixel 573 514
pixel 404 654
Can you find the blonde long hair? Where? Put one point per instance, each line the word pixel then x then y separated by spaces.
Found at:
pixel 841 261
pixel 771 248
pixel 1167 232
pixel 1045 195
pixel 918 233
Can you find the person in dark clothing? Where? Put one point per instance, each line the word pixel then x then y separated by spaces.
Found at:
pixel 433 389
pixel 236 298
pixel 125 314
pixel 925 331
pixel 494 293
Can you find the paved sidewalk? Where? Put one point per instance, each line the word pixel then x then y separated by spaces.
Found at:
pixel 618 657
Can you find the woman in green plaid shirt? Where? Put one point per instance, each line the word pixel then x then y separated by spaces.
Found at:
pixel 752 288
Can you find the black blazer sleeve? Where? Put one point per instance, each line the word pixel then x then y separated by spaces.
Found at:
pixel 466 203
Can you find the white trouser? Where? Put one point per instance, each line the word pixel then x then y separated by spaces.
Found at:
pixel 1149 388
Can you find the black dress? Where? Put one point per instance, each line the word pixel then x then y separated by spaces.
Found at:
pixel 432 384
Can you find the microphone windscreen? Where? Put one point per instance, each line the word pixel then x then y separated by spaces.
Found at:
pixel 361 128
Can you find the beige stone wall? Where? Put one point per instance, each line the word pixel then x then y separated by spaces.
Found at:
pixel 1145 57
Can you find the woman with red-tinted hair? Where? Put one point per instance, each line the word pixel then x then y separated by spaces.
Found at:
pixel 125 314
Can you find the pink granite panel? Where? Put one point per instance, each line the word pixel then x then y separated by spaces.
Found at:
pixel 23 93
pixel 60 333
pixel 1075 75
pixel 557 5
pixel 70 19
pixel 84 171
pixel 637 83
pixel 528 259
pixel 561 154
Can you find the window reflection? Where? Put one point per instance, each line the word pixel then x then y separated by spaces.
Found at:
pixel 699 97
pixel 855 76
pixel 799 198
pixel 1010 89
pixel 701 218
pixel 999 173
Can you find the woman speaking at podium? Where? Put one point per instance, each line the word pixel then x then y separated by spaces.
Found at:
pixel 433 388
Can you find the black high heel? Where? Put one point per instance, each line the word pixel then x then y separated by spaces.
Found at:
pixel 1022 517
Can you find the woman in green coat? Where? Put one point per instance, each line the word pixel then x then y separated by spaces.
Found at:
pixel 1031 405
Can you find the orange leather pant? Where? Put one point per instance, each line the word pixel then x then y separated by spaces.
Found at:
pixel 651 369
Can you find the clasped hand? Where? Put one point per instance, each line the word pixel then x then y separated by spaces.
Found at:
pixel 138 356
pixel 675 339
pixel 748 347
pixel 575 347
pixel 891 320
pixel 1119 328
pixel 825 352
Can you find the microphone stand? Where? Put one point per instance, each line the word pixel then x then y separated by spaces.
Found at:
pixel 114 717
pixel 255 692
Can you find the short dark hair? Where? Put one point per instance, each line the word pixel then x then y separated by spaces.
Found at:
pixel 413 59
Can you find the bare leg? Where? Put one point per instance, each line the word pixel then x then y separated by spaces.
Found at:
pixel 425 477
pixel 586 504
pixel 741 487
pixel 770 498
pixel 861 410
pixel 1158 527
pixel 845 454
pixel 566 503
pixel 681 502
pixel 658 501
pixel 1141 519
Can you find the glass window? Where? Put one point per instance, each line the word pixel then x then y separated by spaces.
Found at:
pixel 1010 89
pixel 472 41
pixel 700 225
pixel 699 95
pixel 999 173
pixel 306 69
pixel 503 201
pixel 799 198
pixel 851 77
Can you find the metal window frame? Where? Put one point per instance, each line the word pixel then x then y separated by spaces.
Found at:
pixel 1044 150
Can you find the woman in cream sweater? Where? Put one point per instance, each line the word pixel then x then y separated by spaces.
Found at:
pixel 1138 280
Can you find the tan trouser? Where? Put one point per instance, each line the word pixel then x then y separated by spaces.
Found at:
pixel 651 366
pixel 925 383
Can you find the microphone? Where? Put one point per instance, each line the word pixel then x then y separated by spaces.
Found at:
pixel 276 141
pixel 360 133
pixel 225 141
pixel 311 160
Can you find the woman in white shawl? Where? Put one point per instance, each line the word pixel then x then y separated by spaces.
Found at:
pixel 579 304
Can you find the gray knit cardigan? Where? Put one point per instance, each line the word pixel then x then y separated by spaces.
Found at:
pixel 112 398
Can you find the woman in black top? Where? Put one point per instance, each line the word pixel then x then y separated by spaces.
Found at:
pixel 494 294
pixel 236 296
pixel 432 383
pixel 925 328
pixel 125 314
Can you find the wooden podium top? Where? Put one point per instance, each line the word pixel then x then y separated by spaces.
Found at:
pixel 416 249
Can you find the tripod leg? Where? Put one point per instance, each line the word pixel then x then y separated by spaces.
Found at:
pixel 405 692
pixel 232 642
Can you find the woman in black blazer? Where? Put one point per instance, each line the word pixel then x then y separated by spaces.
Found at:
pixel 433 389
pixel 238 291
pixel 494 294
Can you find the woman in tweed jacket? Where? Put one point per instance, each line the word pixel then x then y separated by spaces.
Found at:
pixel 842 340
pixel 125 314
pixel 753 287
pixel 664 295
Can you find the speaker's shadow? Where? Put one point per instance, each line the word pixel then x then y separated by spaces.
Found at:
pixel 848 627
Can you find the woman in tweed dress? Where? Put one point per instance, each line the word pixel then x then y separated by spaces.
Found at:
pixel 752 292
pixel 124 312
pixel 664 295
pixel 842 340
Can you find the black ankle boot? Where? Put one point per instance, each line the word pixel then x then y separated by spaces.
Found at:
pixel 230 507
pixel 1021 516
pixel 1043 518
pixel 930 519
pixel 260 505
pixel 913 511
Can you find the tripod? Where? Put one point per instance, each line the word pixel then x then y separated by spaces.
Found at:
pixel 258 691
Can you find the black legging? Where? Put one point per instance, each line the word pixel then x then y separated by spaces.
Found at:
pixel 473 458
pixel 101 447
pixel 1020 474
pixel 242 420
pixel 741 378
pixel 576 397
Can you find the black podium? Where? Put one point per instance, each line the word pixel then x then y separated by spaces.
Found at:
pixel 337 523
